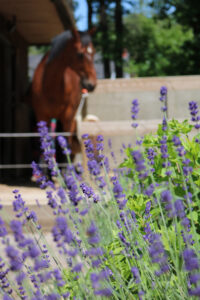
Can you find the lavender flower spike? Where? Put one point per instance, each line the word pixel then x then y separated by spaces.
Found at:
pixel 135 111
pixel 193 107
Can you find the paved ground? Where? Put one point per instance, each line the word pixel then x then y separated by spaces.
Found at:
pixel 29 194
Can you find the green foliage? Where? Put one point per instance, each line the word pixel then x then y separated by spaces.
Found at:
pixel 154 46
pixel 137 201
pixel 34 50
pixel 186 13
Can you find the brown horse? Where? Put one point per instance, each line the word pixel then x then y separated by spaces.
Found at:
pixel 59 78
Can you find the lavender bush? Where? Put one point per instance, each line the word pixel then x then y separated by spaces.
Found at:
pixel 128 233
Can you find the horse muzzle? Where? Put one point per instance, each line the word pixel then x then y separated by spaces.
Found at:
pixel 89 85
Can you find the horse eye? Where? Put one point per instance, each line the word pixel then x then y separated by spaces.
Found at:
pixel 80 54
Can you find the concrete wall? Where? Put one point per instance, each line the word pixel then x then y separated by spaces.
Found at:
pixel 112 98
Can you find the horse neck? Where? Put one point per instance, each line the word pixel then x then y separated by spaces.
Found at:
pixel 59 71
pixel 58 65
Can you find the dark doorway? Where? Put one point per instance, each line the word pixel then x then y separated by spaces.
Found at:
pixel 7 102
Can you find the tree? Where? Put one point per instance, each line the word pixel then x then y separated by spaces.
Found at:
pixel 155 46
pixel 103 5
pixel 187 13
pixel 119 39
pixel 109 36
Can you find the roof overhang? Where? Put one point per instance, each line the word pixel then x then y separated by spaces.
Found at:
pixel 37 21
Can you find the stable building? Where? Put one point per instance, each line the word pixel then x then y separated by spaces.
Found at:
pixel 23 23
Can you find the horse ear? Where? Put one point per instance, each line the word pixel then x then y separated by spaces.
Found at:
pixel 75 33
pixel 92 31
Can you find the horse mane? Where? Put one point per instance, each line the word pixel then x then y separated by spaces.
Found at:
pixel 60 41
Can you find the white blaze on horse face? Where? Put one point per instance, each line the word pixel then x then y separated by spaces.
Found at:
pixel 89 50
pixel 89 53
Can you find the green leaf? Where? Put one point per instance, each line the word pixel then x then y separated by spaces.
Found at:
pixel 193 215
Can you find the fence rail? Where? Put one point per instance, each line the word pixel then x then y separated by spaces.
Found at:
pixel 33 134
pixel 25 135
pixel 27 166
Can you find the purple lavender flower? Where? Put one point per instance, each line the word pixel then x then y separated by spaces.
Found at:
pixel 52 296
pixel 186 223
pixel 187 169
pixel 148 231
pixel 158 254
pixel 163 92
pixel 176 141
pixel 72 252
pixel 136 274
pixel 106 292
pixel 194 278
pixel 95 252
pixel 135 111
pixel 87 190
pixel 93 167
pixel 99 138
pixel 43 277
pixel 85 136
pixel 92 229
pixel 41 264
pixel 164 124
pixel 46 146
pixel 190 259
pixel 7 297
pixel 61 230
pixel 33 251
pixel 14 256
pixel 93 234
pixel 74 195
pixel 147 210
pixel 95 280
pixel 3 230
pixel 20 277
pixel 89 148
pixel 62 195
pixel 77 268
pixel 63 144
pixel 195 292
pixel 151 154
pixel 149 190
pixel 163 99
pixel 32 216
pixel 96 263
pixel 179 208
pixel 16 227
pixel 119 193
pixel 123 239
pixel 193 107
pixel 163 147
pixel 139 163
pixel 51 200
pixel 166 198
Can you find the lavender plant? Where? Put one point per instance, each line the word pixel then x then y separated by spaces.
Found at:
pixel 127 233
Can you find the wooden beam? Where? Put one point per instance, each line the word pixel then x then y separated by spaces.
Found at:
pixel 64 11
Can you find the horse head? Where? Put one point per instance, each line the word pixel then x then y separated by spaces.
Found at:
pixel 84 59
pixel 75 50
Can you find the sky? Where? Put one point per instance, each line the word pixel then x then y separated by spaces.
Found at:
pixel 81 13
